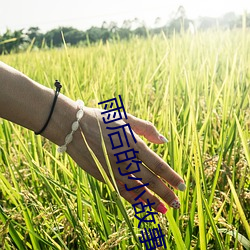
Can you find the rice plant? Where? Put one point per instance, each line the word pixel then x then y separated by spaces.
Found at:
pixel 194 88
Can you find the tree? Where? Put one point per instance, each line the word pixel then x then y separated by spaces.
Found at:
pixel 127 24
pixel 71 35
pixel 229 20
pixel 13 41
pixel 157 22
pixel 34 33
pixel 180 22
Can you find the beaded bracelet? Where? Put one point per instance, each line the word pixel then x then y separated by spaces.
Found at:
pixel 74 127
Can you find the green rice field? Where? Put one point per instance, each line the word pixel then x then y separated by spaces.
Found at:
pixel 196 91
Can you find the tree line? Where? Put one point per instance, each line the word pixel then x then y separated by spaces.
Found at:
pixel 20 40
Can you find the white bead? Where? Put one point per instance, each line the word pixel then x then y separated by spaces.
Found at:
pixel 68 138
pixel 62 149
pixel 79 114
pixel 80 103
pixel 75 126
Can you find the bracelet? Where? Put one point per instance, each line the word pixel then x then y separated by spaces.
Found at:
pixel 58 87
pixel 74 127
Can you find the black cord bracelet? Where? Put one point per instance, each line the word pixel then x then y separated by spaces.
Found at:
pixel 58 87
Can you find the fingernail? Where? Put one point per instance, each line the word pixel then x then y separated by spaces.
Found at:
pixel 162 138
pixel 181 186
pixel 175 204
pixel 161 208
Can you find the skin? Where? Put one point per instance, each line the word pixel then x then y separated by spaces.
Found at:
pixel 28 103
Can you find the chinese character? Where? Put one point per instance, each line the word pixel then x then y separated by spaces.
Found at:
pixel 143 206
pixel 143 192
pixel 143 210
pixel 131 172
pixel 155 236
pixel 126 155
pixel 119 136
pixel 112 110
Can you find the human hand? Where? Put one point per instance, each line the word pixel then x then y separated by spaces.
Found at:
pixel 153 171
pixel 21 98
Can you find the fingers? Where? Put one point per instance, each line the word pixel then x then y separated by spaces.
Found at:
pixel 147 196
pixel 145 128
pixel 152 182
pixel 155 163
pixel 159 167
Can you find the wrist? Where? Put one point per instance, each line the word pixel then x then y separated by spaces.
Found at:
pixel 61 120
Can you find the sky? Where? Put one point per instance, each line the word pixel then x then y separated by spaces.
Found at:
pixel 81 14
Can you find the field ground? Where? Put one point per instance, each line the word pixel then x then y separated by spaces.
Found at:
pixel 194 88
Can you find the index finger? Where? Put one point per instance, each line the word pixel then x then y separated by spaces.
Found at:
pixel 146 129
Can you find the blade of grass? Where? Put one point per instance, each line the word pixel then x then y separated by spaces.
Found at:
pixel 176 231
pixel 241 238
pixel 115 193
pixel 12 231
pixel 239 207
pixel 211 220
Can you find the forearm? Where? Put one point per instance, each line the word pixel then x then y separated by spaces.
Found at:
pixel 27 103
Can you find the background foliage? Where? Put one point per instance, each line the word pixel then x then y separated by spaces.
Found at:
pixel 194 88
pixel 20 40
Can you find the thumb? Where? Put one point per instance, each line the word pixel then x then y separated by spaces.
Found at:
pixel 146 129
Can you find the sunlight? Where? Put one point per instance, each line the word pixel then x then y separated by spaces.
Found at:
pixel 214 8
pixel 82 16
